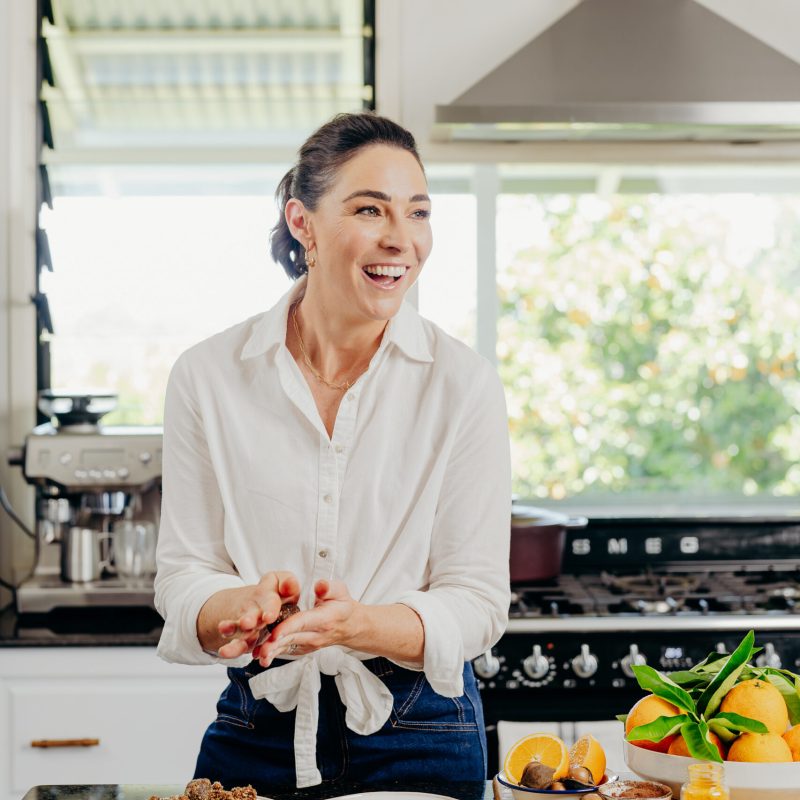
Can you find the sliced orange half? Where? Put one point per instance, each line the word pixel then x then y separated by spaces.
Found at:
pixel 587 752
pixel 542 747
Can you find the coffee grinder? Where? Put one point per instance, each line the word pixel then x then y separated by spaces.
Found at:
pixel 88 476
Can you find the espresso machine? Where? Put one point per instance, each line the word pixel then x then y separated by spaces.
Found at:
pixel 93 482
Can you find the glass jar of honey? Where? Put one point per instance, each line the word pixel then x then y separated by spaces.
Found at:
pixel 706 782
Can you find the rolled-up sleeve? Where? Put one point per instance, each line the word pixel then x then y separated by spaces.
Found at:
pixel 192 560
pixel 465 609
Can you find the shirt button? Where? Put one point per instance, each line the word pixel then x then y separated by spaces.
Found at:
pixel 323 554
pixel 327 498
pixel 351 397
pixel 339 449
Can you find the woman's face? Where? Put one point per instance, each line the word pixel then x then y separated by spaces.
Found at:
pixel 374 219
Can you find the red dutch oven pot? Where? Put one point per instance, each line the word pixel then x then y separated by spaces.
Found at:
pixel 537 542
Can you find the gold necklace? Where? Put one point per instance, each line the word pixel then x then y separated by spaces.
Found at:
pixel 341 387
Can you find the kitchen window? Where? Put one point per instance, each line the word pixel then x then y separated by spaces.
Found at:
pixel 643 321
pixel 448 285
pixel 141 277
pixel 165 129
pixel 647 335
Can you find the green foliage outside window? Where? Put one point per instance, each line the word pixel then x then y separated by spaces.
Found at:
pixel 648 345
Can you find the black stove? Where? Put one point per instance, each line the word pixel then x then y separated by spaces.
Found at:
pixel 662 592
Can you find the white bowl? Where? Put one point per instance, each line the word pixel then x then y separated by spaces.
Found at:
pixel 524 793
pixel 746 781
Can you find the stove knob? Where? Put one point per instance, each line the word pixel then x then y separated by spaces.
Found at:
pixel 486 665
pixel 769 658
pixel 585 664
pixel 536 666
pixel 634 658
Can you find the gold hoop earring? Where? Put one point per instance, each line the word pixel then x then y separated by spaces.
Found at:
pixel 311 262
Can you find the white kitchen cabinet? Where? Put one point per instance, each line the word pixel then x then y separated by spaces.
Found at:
pixel 609 734
pixel 148 716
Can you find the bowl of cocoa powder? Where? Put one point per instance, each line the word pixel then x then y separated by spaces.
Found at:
pixel 635 790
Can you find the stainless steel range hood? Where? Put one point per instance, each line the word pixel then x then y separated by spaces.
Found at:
pixel 633 70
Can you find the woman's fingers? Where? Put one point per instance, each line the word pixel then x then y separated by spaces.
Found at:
pixel 331 590
pixel 282 583
pixel 297 644
pixel 328 623
pixel 274 590
pixel 248 623
pixel 321 589
pixel 260 608
pixel 322 622
pixel 288 587
pixel 235 648
pixel 252 610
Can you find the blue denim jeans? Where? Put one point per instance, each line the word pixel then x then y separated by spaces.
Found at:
pixel 426 736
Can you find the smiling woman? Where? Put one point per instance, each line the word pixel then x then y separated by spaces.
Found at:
pixel 375 450
pixel 370 245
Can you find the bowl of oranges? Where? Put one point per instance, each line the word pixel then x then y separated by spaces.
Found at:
pixel 541 764
pixel 724 710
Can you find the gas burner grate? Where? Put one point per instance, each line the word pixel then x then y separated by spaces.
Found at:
pixel 652 593
pixel 564 596
pixel 649 584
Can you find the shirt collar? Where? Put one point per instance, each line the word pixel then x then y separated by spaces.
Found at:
pixel 269 330
pixel 405 329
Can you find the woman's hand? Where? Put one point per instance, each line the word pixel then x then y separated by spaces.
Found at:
pixel 335 619
pixel 232 620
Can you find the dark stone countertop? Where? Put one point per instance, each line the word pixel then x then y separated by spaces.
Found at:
pixel 460 791
pixel 81 627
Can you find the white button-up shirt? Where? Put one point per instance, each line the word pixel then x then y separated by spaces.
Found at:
pixel 408 502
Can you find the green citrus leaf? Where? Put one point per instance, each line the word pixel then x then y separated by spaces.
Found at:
pixel 726 734
pixel 622 718
pixel 737 723
pixel 658 729
pixel 710 663
pixel 662 686
pixel 697 742
pixel 788 684
pixel 689 679
pixel 749 672
pixel 711 698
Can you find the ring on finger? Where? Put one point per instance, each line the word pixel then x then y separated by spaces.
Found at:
pixel 292 649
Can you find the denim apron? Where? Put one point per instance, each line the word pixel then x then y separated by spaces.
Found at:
pixel 427 735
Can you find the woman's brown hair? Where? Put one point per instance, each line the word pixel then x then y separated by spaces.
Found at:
pixel 319 160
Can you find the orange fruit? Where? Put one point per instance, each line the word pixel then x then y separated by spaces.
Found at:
pixel 758 700
pixel 678 746
pixel 587 752
pixel 647 710
pixel 542 747
pixel 792 738
pixel 762 747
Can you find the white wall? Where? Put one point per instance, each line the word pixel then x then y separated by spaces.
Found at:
pixel 775 22
pixel 17 253
pixel 431 51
